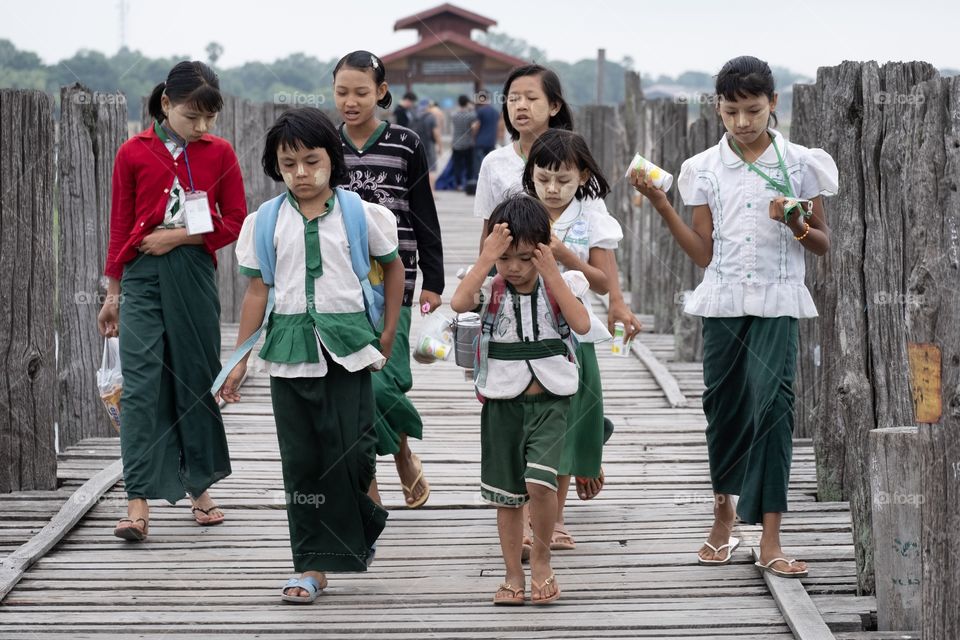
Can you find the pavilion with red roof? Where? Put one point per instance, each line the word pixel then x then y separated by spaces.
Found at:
pixel 446 53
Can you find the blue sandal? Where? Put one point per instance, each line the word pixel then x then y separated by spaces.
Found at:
pixel 308 583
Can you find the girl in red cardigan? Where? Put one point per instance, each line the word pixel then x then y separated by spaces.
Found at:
pixel 177 198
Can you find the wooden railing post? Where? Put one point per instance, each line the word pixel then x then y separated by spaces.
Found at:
pixel 93 125
pixel 28 392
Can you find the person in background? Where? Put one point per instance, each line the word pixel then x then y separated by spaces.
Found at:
pixel 464 129
pixel 490 129
pixel 401 114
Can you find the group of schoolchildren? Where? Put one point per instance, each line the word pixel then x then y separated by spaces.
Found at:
pixel 332 263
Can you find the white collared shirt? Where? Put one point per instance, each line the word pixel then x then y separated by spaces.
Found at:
pixel 582 227
pixel 757 267
pixel 510 378
pixel 337 289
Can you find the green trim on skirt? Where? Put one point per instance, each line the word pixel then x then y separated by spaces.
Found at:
pixel 749 366
pixel 583 445
pixel 327 441
pixel 172 439
pixel 394 413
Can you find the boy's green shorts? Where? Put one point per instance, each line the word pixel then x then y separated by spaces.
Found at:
pixel 521 441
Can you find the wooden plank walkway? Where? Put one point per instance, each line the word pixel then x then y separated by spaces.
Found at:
pixel 633 574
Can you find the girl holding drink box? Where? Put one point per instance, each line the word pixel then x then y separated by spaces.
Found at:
pixel 750 236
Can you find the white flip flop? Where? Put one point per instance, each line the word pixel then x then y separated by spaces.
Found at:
pixel 731 545
pixel 777 572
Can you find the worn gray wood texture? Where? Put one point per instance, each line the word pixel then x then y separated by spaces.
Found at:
pixel 895 484
pixel 28 394
pixel 93 125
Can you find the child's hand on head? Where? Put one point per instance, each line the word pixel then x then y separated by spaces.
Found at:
pixel 497 242
pixel 545 262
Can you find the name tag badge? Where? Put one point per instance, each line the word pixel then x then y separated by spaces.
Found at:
pixel 196 213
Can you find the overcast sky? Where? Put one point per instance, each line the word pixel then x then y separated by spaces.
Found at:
pixel 662 37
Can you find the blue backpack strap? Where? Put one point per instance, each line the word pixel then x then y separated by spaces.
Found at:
pixel 263 231
pixel 355 224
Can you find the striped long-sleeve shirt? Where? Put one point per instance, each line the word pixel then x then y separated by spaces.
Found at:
pixel 391 170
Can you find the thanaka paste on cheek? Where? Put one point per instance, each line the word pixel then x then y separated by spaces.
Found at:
pixel 321 177
pixel 288 179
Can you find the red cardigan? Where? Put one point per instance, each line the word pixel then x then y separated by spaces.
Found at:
pixel 142 176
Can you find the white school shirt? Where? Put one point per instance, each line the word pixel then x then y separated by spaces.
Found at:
pixel 337 290
pixel 581 228
pixel 501 175
pixel 757 267
pixel 510 378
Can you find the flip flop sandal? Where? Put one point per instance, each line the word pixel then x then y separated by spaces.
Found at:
pixel 211 520
pixel 731 546
pixel 133 533
pixel 309 584
pixel 516 598
pixel 562 540
pixel 777 572
pixel 419 480
pixel 546 583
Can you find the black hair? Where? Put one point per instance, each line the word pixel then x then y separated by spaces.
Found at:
pixel 463 101
pixel 745 77
pixel 558 147
pixel 363 60
pixel 551 87
pixel 527 218
pixel 304 128
pixel 192 83
pixel 410 95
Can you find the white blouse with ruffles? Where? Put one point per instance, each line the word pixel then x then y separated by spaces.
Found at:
pixel 757 267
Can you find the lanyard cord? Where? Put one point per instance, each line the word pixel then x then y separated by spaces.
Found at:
pixel 183 145
pixel 784 187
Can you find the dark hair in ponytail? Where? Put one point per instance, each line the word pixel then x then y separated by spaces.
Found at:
pixel 746 77
pixel 192 83
pixel 363 60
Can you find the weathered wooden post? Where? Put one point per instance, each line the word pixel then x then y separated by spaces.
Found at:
pixel 895 484
pixel 28 458
pixel 93 125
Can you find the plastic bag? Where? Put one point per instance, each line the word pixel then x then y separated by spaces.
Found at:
pixel 436 339
pixel 110 380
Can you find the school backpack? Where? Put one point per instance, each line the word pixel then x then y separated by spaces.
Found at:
pixel 370 274
pixel 488 320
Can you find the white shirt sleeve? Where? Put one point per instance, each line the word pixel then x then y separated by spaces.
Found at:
pixel 820 176
pixel 605 232
pixel 691 189
pixel 381 229
pixel 483 202
pixel 246 249
pixel 577 282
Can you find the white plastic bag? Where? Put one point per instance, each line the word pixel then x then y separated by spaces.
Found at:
pixel 110 380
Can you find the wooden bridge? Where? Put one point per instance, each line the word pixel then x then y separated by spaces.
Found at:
pixel 633 574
